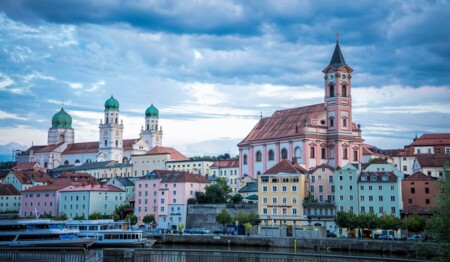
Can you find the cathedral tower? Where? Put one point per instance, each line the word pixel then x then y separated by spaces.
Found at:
pixel 150 132
pixel 61 130
pixel 111 133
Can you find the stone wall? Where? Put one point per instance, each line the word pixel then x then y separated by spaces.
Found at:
pixel 204 216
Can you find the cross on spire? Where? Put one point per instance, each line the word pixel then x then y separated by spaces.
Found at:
pixel 337 37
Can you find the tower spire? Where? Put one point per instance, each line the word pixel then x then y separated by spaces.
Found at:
pixel 337 37
pixel 337 60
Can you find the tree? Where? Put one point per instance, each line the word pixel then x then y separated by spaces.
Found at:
pixel 147 219
pixel 414 223
pixel 248 228
pixel 119 212
pixel 217 193
pixel 367 220
pixel 242 218
pixel 192 201
pixel 386 221
pixel 132 218
pixel 61 216
pixel 79 217
pixel 200 198
pixel 180 227
pixel 347 220
pixel 95 216
pixel 223 218
pixel 374 160
pixel 254 219
pixel 236 199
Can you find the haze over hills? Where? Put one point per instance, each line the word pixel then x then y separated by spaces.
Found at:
pixel 6 151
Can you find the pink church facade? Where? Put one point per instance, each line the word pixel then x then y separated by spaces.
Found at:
pixel 309 135
pixel 164 194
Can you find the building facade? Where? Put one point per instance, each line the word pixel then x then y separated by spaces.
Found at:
pixel 309 135
pixel 229 169
pixel 200 167
pixel 155 159
pixel 418 194
pixel 10 198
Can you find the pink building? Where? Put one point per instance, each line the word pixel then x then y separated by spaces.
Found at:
pixel 43 199
pixel 322 183
pixel 164 193
pixel 309 135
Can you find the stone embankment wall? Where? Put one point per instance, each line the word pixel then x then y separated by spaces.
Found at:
pixel 204 216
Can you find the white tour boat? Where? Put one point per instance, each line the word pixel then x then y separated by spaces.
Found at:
pixel 40 232
pixel 108 232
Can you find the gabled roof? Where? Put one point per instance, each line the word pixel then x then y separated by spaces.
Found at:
pixel 32 148
pixel 432 139
pixel 124 181
pixel 419 176
pixel 49 148
pixel 26 166
pixel 379 175
pixel 283 124
pixel 128 143
pixel 225 163
pixel 8 190
pixel 52 187
pixel 312 170
pixel 94 187
pixel 432 161
pixel 26 177
pixel 174 154
pixel 250 187
pixel 285 166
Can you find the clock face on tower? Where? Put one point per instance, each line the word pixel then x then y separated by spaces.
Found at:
pixel 105 133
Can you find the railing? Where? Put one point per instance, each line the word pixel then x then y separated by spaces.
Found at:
pixel 43 254
pixel 167 255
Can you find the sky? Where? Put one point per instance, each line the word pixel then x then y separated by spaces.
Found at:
pixel 212 68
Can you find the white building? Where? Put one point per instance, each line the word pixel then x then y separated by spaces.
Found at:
pixel 200 167
pixel 229 169
pixel 155 159
pixel 10 198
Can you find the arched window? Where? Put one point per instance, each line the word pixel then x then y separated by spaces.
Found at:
pixel 298 153
pixel 66 162
pixel 106 142
pixel 148 126
pixel 331 121
pixel 117 120
pixel 331 90
pixel 61 138
pixel 45 164
pixel 125 160
pixel 245 159
pixel 344 122
pixel 284 153
pixel 77 161
pixel 258 156
pixel 106 122
pixel 271 155
pixel 117 143
pixel 344 91
pixel 312 152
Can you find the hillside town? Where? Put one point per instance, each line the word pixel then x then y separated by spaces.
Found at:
pixel 298 169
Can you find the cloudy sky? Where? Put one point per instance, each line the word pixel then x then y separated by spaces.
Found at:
pixel 212 67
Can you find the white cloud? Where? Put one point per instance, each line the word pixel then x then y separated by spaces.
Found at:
pixel 6 115
pixel 5 81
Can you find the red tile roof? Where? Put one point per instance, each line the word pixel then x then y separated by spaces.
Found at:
pixel 8 190
pixel 33 148
pixel 282 124
pixel 419 176
pixel 433 161
pixel 52 187
pixel 225 163
pixel 174 154
pixel 128 143
pixel 414 209
pixel 25 177
pixel 25 166
pixel 86 147
pixel 432 139
pixel 94 187
pixel 49 148
pixel 285 166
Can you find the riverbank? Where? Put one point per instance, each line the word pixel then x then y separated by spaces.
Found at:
pixel 404 248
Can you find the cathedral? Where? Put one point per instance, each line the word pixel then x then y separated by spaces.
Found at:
pixel 61 148
pixel 314 135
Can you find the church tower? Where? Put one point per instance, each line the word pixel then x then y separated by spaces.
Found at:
pixel 61 130
pixel 150 133
pixel 111 133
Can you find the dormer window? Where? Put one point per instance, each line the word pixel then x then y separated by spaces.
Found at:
pixel 363 178
pixel 373 178
pixel 385 177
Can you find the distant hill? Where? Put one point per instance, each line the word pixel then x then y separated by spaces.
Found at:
pixel 7 150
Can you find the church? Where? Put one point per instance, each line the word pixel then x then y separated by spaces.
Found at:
pixel 61 148
pixel 310 135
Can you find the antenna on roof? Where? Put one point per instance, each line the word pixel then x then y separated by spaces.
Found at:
pixel 261 115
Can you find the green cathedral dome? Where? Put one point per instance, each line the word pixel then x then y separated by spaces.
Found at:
pixel 112 104
pixel 61 120
pixel 152 111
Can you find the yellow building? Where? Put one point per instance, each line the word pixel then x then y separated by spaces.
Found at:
pixel 281 191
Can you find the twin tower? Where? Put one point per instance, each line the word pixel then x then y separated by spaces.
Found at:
pixel 111 145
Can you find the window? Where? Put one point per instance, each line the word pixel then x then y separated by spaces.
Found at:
pixel 271 155
pixel 323 153
pixel 312 151
pixel 393 210
pixel 392 198
pixel 392 188
pixel 330 179
pixel 350 198
pixel 341 198
pixel 361 187
pixel 373 178
pixel 363 209
pixel 284 200
pixel 447 150
pixel 264 211
pixel 344 122
pixel 313 179
pixel 331 90
pixel 274 211
pixel 284 153
pixel 264 188
pixel 355 155
pixel 380 188
pixel 427 201
pixel 362 198
pixel 245 159
pixel 345 153
pixel 370 209
pixel 264 200
pixel 380 210
pixel 311 189
pixel 413 190
pixel 344 91
pixel 380 198
pixel 284 188
pixel 274 200
pixel 294 200
pixel 294 211
pixel 320 189
pixel 332 189
pixel 370 198
pixel 294 188
pixel 258 156
pixel 331 122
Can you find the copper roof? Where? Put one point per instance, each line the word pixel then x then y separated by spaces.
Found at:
pixel 174 154
pixel 419 176
pixel 226 163
pixel 284 124
pixel 285 166
pixel 8 190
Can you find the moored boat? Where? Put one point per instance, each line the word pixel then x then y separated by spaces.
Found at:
pixel 40 232
pixel 108 232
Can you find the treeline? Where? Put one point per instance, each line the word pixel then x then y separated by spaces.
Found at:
pixel 212 158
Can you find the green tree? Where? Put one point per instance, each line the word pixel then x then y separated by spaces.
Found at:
pixel 248 228
pixel 217 193
pixel 95 216
pixel 242 218
pixel 367 220
pixel 414 223
pixel 147 219
pixel 61 216
pixel 346 220
pixel 200 198
pixel 236 199
pixel 254 219
pixel 120 212
pixel 223 218
pixel 132 218
pixel 180 227
pixel 192 201
pixel 390 221
pixel 79 217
